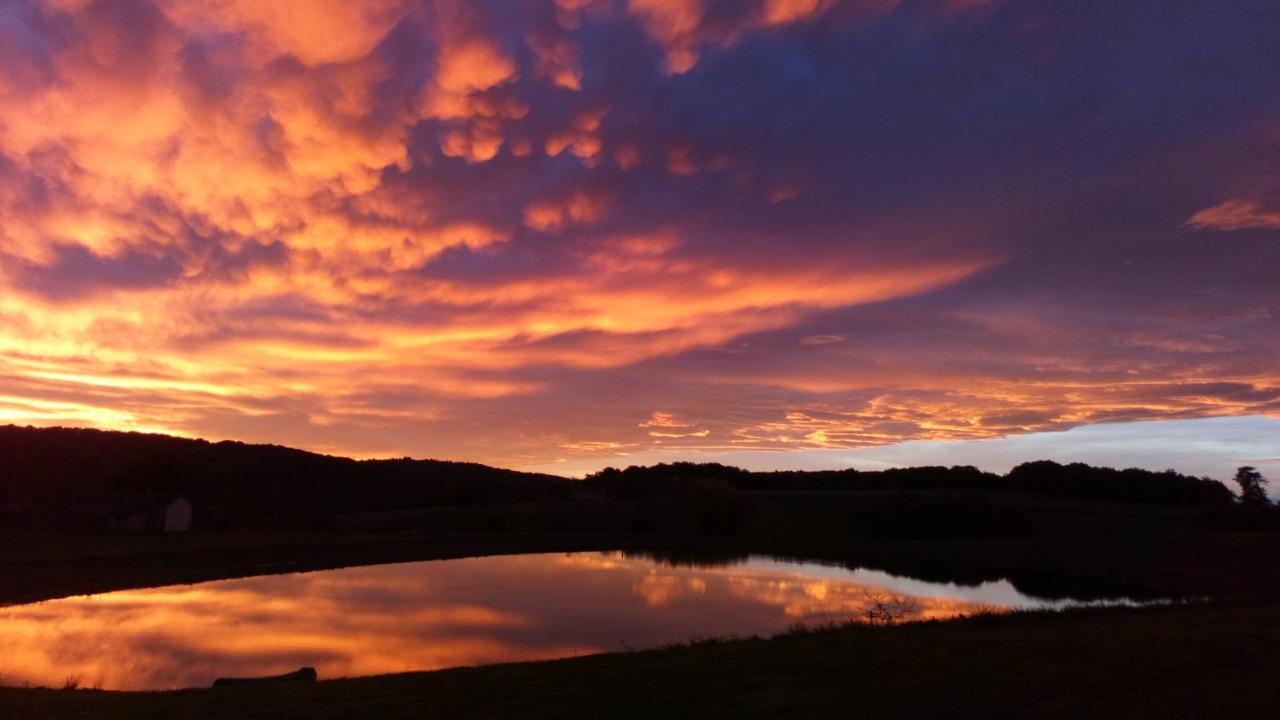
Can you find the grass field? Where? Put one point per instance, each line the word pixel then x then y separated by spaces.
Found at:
pixel 1176 662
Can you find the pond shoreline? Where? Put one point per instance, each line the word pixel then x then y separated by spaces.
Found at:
pixel 375 619
pixel 1170 661
pixel 1228 565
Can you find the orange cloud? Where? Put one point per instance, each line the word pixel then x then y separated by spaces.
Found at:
pixel 672 23
pixel 472 65
pixel 578 208
pixel 1236 215
pixel 778 12
pixel 390 227
pixel 313 31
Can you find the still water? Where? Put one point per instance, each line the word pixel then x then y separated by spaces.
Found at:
pixel 424 615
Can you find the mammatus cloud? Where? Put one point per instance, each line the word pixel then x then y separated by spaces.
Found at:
pixel 521 231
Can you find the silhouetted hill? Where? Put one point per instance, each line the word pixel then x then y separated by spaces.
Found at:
pixel 237 484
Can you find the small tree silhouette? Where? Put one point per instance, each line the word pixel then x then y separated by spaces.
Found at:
pixel 890 609
pixel 1253 487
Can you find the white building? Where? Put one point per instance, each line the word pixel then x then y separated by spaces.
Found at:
pixel 149 513
pixel 177 515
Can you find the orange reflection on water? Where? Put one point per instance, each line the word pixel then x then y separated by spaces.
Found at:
pixel 416 616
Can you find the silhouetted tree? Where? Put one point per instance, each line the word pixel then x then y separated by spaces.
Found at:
pixel 1253 487
pixel 1077 481
pixel 890 609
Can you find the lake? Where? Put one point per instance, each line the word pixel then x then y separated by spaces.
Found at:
pixel 444 613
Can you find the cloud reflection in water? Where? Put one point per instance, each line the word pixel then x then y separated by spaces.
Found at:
pixel 424 615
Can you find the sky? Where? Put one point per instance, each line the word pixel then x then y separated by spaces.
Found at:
pixel 575 233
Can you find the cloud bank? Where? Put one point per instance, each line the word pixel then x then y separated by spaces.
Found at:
pixel 517 232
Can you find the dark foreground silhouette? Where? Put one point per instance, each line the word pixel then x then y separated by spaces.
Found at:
pixel 1052 529
pixel 305 674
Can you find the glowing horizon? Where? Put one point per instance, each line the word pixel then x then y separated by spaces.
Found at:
pixel 568 234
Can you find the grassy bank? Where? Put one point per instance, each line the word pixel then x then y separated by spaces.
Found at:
pixel 1177 662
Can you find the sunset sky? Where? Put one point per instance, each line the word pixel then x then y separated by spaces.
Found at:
pixel 561 235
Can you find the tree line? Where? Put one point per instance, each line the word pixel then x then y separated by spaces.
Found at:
pixel 73 475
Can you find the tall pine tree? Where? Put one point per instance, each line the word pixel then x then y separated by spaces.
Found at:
pixel 1253 487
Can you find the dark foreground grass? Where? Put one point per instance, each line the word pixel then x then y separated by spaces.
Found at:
pixel 1197 661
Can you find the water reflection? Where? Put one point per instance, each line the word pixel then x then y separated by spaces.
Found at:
pixel 414 616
